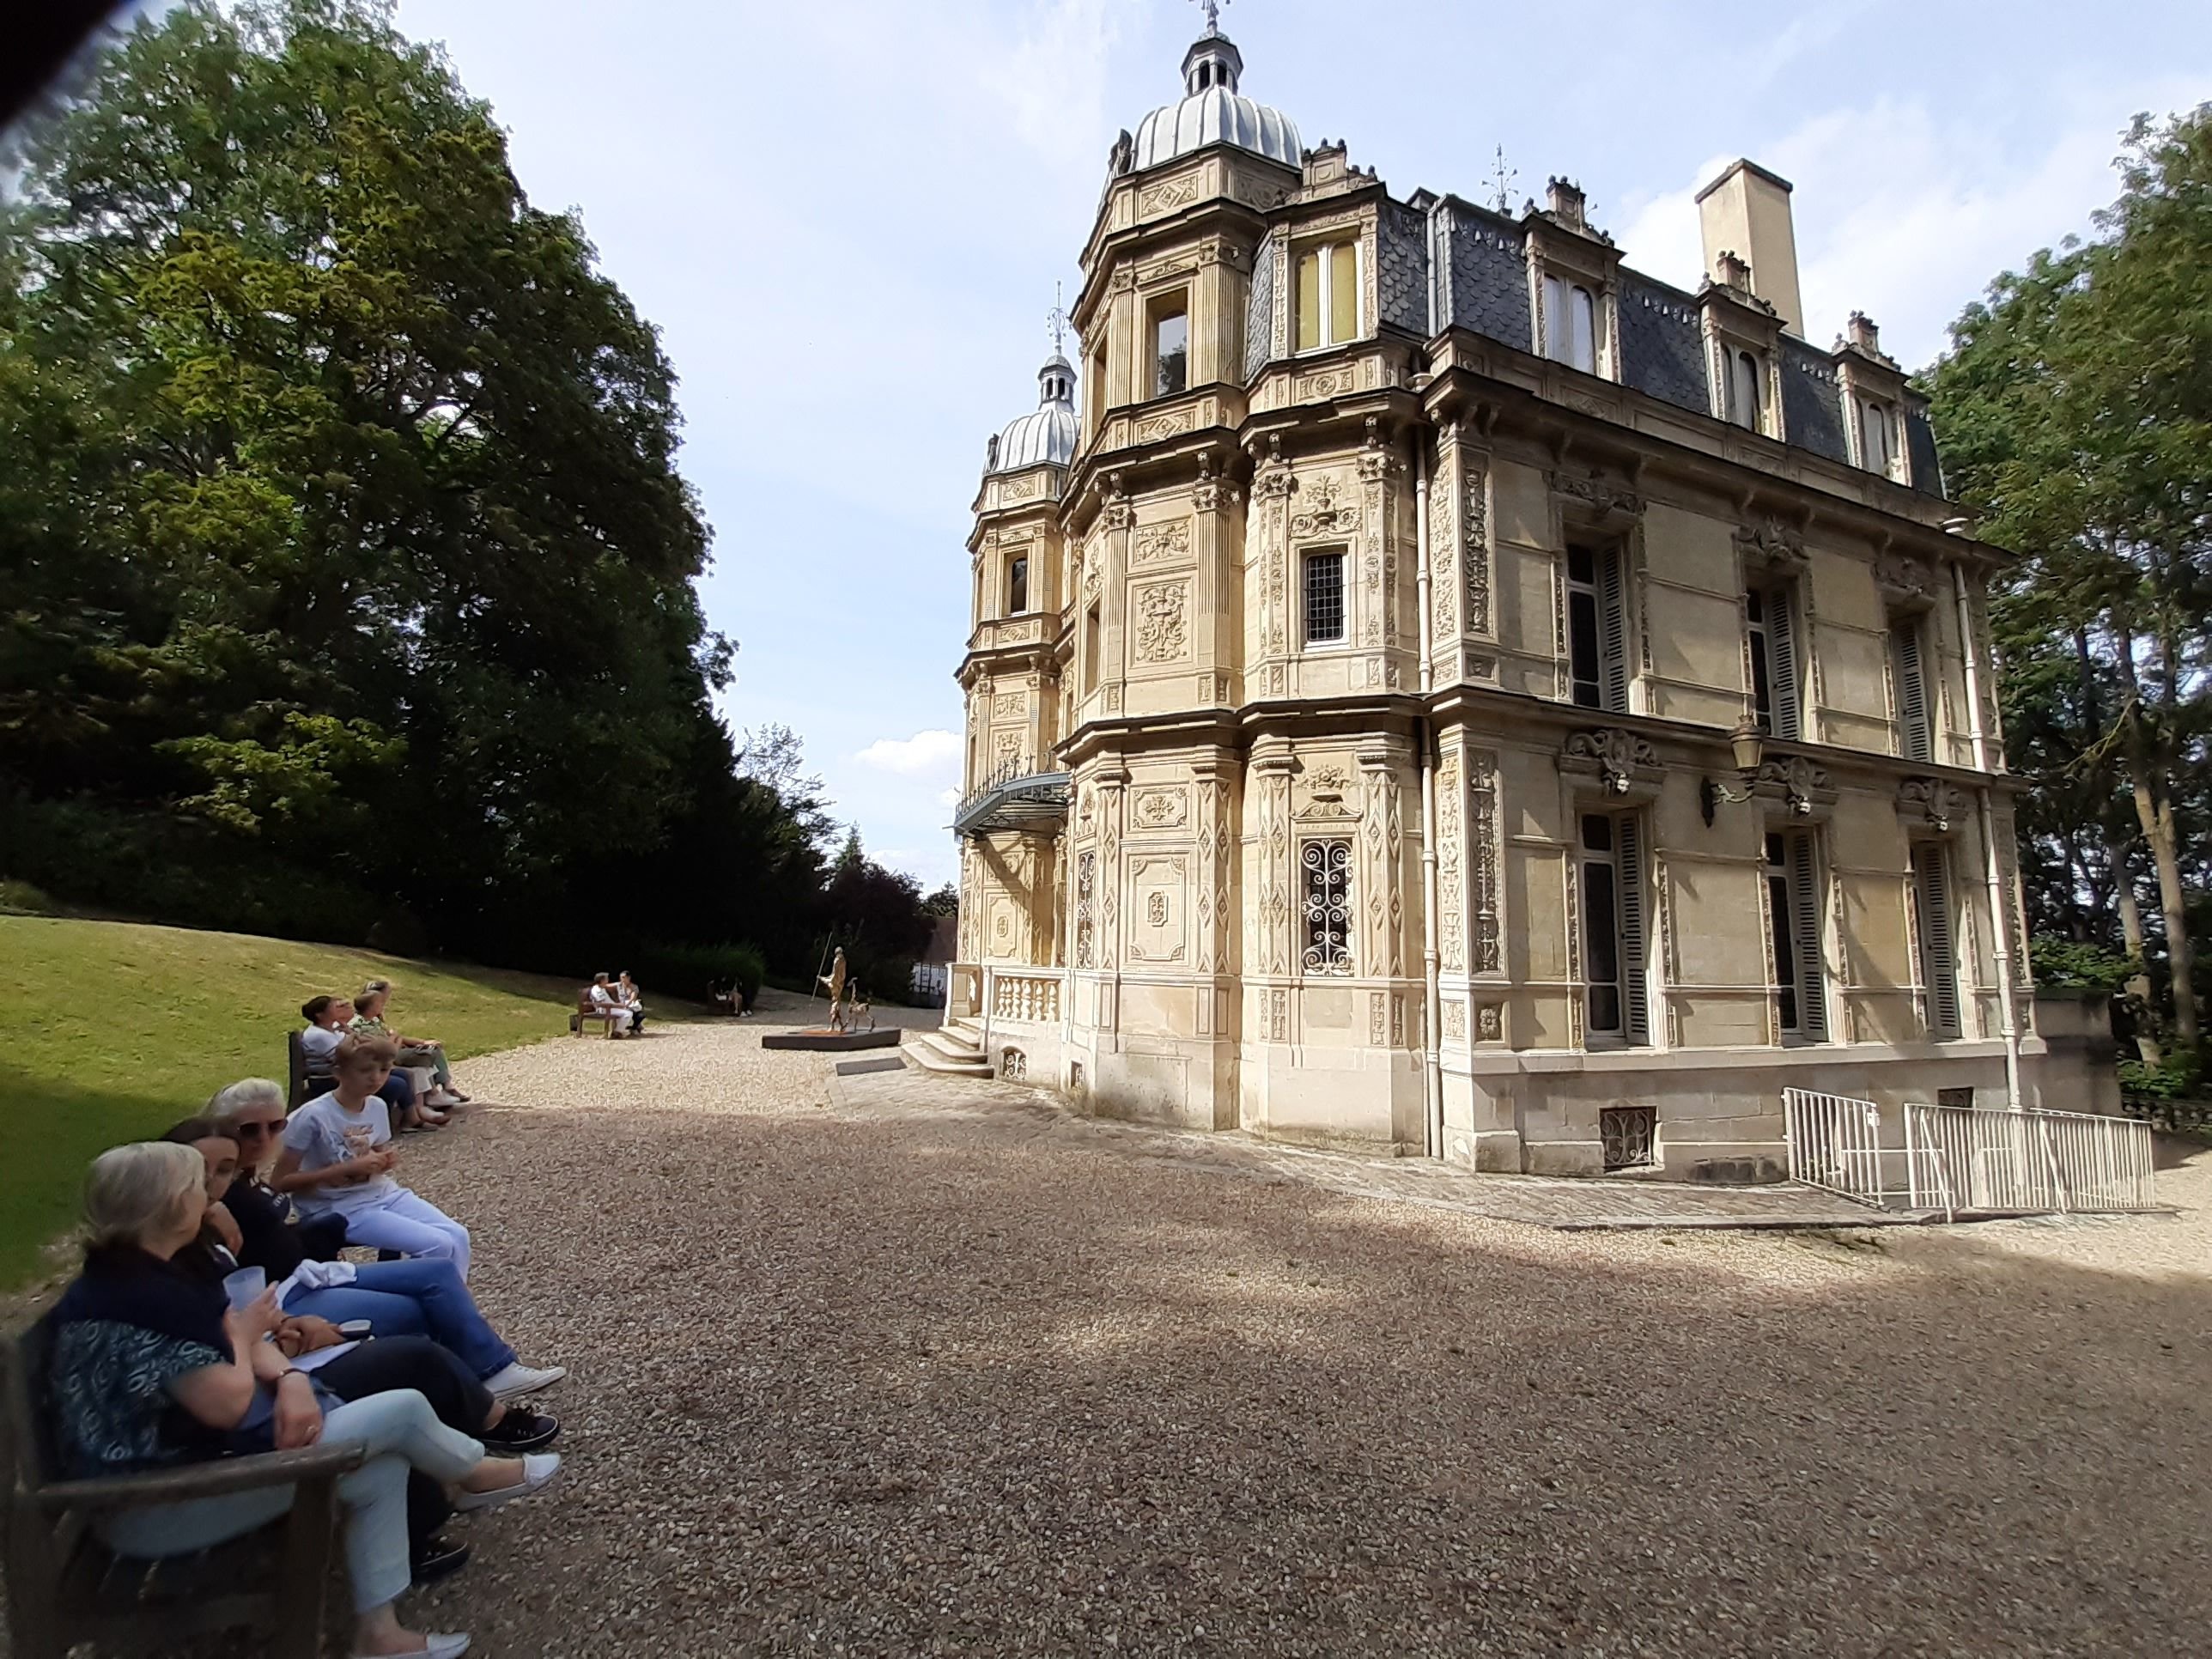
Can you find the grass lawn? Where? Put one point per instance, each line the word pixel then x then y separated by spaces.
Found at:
pixel 111 1031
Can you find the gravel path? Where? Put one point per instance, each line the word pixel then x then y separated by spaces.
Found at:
pixel 898 1382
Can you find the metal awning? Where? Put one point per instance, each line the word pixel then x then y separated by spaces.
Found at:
pixel 1012 798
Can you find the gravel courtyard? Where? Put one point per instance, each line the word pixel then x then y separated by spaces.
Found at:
pixel 985 1379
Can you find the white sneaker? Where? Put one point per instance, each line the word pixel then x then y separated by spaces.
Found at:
pixel 517 1379
pixel 538 1469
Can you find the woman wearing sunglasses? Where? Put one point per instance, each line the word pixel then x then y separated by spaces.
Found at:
pixel 417 1295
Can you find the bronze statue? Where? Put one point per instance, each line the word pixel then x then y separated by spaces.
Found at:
pixel 835 978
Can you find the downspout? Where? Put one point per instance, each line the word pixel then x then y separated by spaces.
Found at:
pixel 1432 1079
pixel 2000 913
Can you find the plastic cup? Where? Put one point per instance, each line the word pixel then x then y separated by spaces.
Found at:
pixel 242 1286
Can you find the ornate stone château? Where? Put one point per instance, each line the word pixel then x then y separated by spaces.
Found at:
pixel 1445 689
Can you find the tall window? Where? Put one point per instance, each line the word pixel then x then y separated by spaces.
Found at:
pixel 1093 643
pixel 1328 295
pixel 1773 648
pixel 1792 915
pixel 1916 728
pixel 1745 389
pixel 1327 906
pixel 1018 586
pixel 1618 1004
pixel 1323 588
pixel 1877 438
pixel 1597 628
pixel 1939 965
pixel 1171 350
pixel 1570 323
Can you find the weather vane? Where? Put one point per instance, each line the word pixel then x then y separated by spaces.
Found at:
pixel 1503 177
pixel 1056 320
pixel 1212 10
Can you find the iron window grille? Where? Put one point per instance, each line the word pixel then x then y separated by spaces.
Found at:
pixel 1328 907
pixel 1629 1134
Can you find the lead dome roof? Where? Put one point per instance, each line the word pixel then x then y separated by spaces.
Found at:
pixel 1047 435
pixel 1212 111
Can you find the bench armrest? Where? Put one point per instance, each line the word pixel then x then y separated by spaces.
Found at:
pixel 210 1479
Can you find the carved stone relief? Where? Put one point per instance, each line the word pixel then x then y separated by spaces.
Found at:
pixel 1452 920
pixel 1162 630
pixel 1160 809
pixel 1475 538
pixel 1482 821
pixel 1159 543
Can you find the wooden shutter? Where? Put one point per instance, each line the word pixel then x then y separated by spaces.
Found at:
pixel 1635 989
pixel 1805 911
pixel 1781 663
pixel 1914 729
pixel 1939 965
pixel 1611 633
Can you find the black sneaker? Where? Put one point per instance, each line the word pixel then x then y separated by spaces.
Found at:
pixel 522 1430
pixel 439 1558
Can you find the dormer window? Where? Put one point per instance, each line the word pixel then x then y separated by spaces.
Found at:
pixel 1571 325
pixel 1878 438
pixel 1328 287
pixel 1746 380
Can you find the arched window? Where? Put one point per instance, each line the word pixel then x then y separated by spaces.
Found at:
pixel 1570 323
pixel 1876 449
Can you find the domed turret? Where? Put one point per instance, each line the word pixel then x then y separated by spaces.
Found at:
pixel 1212 111
pixel 1046 436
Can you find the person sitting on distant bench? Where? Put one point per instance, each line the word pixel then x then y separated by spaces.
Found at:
pixel 327 1018
pixel 338 1160
pixel 413 1051
pixel 722 995
pixel 626 994
pixel 604 1001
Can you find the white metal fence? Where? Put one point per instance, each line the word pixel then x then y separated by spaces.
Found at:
pixel 1835 1142
pixel 1958 1157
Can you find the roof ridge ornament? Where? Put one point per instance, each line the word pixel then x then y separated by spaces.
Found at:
pixel 1056 320
pixel 1212 10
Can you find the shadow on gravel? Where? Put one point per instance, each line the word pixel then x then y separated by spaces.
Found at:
pixel 905 1385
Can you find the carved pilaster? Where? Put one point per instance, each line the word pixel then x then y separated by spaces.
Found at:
pixel 1270 936
pixel 1112 786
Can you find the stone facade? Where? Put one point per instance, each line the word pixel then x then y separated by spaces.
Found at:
pixel 1473 871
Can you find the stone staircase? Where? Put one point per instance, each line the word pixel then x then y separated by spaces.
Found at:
pixel 955 1048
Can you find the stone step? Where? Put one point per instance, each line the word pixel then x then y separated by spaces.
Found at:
pixel 942 1051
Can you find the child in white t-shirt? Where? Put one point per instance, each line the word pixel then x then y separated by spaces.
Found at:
pixel 338 1160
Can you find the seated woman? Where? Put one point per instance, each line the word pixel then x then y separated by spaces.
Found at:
pixel 604 1001
pixel 149 1368
pixel 626 994
pixel 368 1021
pixel 337 1159
pixel 327 1018
pixel 418 1297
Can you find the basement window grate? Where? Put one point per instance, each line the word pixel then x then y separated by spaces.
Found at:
pixel 1628 1133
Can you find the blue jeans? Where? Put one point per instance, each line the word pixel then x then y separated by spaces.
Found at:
pixel 421 1296
pixel 401 1433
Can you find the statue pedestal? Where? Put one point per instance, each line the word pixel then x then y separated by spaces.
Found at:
pixel 821 1039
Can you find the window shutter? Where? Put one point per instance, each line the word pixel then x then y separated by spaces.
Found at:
pixel 1555 318
pixel 1635 990
pixel 1938 965
pixel 1612 632
pixel 1913 724
pixel 1805 911
pixel 1782 664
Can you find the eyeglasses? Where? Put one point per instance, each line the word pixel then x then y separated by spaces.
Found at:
pixel 254 1128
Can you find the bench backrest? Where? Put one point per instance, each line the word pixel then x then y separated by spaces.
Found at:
pixel 296 1069
pixel 584 1003
pixel 32 1458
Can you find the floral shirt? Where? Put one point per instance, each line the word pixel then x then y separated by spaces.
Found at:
pixel 110 1397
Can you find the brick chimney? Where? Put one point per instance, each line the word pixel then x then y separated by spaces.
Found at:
pixel 1746 211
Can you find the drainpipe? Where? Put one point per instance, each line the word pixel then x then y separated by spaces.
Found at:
pixel 1432 1077
pixel 2000 919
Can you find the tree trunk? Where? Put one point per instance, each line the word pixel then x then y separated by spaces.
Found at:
pixel 2147 1046
pixel 2154 812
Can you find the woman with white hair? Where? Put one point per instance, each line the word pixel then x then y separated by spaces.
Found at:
pixel 368 1021
pixel 150 1368
pixel 417 1295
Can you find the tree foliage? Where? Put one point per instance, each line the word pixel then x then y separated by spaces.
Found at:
pixel 346 573
pixel 2075 408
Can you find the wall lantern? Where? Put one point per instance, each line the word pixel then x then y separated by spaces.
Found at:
pixel 1747 744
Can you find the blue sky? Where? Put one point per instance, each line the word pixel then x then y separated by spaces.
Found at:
pixel 847 221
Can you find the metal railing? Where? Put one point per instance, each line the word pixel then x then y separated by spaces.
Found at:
pixel 1960 1158
pixel 1013 794
pixel 2066 1163
pixel 1835 1144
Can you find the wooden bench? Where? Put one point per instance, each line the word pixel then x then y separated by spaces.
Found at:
pixel 65 1587
pixel 587 1013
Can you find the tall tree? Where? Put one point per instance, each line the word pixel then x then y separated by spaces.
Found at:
pixel 2076 410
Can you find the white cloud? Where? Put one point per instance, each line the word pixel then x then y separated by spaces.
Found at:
pixel 1906 215
pixel 923 754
